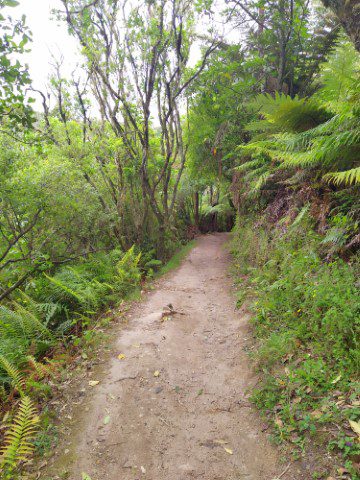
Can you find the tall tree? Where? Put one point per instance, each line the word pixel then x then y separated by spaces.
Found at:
pixel 137 58
pixel 287 38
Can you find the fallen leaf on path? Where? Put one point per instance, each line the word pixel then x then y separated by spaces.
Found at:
pixel 156 373
pixel 221 442
pixel 121 356
pixel 107 419
pixel 43 464
pixel 85 476
pixel 200 392
pixel 143 470
pixel 355 427
pixel 93 383
pixel 228 450
pixel 316 414
pixel 209 444
pixel 136 345
pixel 342 471
pixel 278 422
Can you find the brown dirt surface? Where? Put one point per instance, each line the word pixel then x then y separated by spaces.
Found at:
pixel 176 407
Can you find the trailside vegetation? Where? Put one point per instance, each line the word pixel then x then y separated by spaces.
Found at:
pixel 170 128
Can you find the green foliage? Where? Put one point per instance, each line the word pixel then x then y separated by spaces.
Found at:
pixel 284 113
pixel 349 177
pixel 177 258
pixel 306 317
pixel 53 310
pixel 128 273
pixel 15 109
pixel 18 444
pixel 319 135
pixel 269 125
pixel 16 378
pixel 57 304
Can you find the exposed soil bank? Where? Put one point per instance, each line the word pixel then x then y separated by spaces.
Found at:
pixel 192 419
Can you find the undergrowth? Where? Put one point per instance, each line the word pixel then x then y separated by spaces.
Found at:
pixel 176 259
pixel 306 318
pixel 43 328
pixel 38 330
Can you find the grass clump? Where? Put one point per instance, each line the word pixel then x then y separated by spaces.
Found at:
pixel 176 259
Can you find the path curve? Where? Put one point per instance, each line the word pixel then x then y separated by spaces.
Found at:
pixel 193 420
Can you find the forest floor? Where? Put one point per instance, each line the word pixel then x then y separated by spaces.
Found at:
pixel 171 401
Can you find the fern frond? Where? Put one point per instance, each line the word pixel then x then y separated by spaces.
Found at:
pixel 285 113
pixel 249 165
pixel 300 216
pixel 32 321
pixel 262 180
pixel 257 173
pixel 65 288
pixel 18 438
pixel 45 310
pixel 348 177
pixel 335 236
pixel 41 369
pixel 17 378
pixel 21 323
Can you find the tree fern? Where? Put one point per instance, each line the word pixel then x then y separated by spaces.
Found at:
pixel 249 165
pixel 284 113
pixel 17 444
pixel 261 181
pixel 331 149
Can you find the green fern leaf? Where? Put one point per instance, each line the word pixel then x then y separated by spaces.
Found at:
pixel 349 177
pixel 18 445
pixel 17 378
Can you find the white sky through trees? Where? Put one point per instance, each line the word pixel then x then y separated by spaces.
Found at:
pixel 51 40
pixel 50 37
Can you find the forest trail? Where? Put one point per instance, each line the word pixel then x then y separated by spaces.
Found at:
pixel 176 406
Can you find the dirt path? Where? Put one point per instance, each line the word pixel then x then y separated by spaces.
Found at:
pixel 174 426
